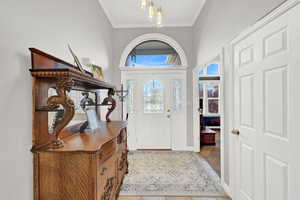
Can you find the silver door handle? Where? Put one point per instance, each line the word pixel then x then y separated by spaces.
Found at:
pixel 200 110
pixel 235 132
pixel 169 116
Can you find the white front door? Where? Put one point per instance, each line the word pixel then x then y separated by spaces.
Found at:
pixel 267 75
pixel 155 113
pixel 157 110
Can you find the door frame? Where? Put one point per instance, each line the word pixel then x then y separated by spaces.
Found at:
pixel 196 120
pixel 125 74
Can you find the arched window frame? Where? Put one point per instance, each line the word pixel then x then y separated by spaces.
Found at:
pixel 150 37
pixel 132 58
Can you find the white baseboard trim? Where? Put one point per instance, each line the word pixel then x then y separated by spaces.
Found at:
pixel 226 188
pixel 187 148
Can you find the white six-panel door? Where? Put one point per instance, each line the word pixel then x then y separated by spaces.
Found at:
pixel 267 81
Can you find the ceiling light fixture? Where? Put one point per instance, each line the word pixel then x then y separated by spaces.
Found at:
pixel 154 10
pixel 151 10
pixel 159 16
pixel 144 4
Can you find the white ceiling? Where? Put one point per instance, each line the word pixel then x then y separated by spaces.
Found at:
pixel 128 14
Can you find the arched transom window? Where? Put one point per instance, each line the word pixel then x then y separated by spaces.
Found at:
pixel 153 53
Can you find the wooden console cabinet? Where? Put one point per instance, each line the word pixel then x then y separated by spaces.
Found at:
pixel 68 164
pixel 88 167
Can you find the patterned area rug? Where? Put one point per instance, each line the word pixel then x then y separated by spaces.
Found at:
pixel 170 173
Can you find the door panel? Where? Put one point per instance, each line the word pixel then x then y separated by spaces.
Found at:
pixel 151 125
pixel 247 171
pixel 265 64
pixel 154 107
pixel 276 178
pixel 246 106
pixel 275 102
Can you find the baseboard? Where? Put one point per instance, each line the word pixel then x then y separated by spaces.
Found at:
pixel 154 150
pixel 187 148
pixel 226 188
pixel 174 149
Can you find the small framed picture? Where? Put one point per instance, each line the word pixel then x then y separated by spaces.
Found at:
pixel 92 118
pixel 97 72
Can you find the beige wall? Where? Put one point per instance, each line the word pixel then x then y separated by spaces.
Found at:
pixel 50 26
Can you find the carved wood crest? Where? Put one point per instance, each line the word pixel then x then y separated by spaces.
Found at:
pixel 62 86
pixel 108 189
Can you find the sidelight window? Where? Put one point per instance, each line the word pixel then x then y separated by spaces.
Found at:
pixel 130 85
pixel 177 95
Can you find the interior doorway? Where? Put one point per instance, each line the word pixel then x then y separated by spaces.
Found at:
pixel 208 112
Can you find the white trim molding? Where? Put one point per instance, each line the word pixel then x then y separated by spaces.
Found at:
pixel 278 11
pixel 153 36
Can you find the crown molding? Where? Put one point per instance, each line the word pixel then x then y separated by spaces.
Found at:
pixel 198 14
pixel 108 15
pixel 272 15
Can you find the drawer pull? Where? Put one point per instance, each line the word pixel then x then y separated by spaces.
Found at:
pixel 103 171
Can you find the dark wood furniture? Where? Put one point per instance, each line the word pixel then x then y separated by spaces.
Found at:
pixel 69 165
pixel 207 136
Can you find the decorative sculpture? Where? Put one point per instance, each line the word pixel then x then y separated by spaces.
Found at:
pixel 84 103
pixel 53 102
pixel 107 100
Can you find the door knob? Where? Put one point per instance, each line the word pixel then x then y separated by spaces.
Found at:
pixel 169 116
pixel 200 110
pixel 235 132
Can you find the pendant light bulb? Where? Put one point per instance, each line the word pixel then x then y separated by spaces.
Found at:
pixel 144 4
pixel 159 17
pixel 151 11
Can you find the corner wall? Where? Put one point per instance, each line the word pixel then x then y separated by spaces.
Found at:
pixel 49 26
pixel 218 23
